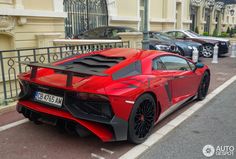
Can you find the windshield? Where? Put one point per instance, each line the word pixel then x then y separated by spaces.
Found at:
pixel 193 33
pixel 162 36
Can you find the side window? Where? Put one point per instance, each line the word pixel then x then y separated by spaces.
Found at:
pixel 111 33
pixel 157 64
pixel 175 63
pixel 180 34
pixel 172 34
pixel 95 33
pixel 192 66
pixel 151 35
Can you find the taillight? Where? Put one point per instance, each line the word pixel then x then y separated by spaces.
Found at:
pixel 91 97
pixel 25 89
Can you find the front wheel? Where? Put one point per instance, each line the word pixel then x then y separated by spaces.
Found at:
pixel 204 85
pixel 142 118
pixel 208 50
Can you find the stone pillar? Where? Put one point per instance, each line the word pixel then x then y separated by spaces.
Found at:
pixel 18 4
pixel 58 5
pixel 134 38
pixel 46 39
pixel 212 22
pixel 219 29
pixel 169 14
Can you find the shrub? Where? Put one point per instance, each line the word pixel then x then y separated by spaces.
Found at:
pixel 223 34
pixel 205 34
pixel 196 30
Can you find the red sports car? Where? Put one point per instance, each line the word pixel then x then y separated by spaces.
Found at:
pixel 116 94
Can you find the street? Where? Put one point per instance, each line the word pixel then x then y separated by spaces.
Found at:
pixel 26 141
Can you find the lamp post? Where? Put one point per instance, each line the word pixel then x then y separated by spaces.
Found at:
pixel 145 41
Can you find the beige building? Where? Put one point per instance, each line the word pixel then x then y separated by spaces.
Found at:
pixel 210 15
pixel 25 23
pixel 35 23
pixel 163 14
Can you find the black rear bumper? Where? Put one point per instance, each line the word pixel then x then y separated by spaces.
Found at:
pixel 117 126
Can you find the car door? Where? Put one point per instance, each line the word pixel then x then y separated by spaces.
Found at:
pixel 184 82
pixel 164 77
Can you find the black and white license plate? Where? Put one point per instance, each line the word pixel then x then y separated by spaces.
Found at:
pixel 49 99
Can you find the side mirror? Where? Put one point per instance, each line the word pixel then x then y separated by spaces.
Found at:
pixel 199 65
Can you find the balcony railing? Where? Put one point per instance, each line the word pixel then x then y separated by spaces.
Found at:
pixel 10 67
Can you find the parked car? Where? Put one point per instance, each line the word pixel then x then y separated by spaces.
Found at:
pixel 207 42
pixel 184 48
pixel 105 32
pixel 168 46
pixel 117 94
pixel 110 32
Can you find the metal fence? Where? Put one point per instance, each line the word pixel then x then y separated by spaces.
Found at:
pixel 10 68
pixel 83 15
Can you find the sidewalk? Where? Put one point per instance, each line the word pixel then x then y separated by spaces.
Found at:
pixel 214 125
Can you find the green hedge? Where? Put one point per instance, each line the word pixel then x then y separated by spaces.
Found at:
pixel 205 34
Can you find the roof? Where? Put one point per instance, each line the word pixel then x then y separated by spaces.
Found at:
pixel 120 52
pixel 129 53
pixel 175 30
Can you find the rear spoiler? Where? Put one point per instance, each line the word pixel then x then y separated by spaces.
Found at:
pixel 69 70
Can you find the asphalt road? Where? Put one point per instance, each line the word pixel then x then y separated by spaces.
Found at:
pixel 27 141
pixel 214 124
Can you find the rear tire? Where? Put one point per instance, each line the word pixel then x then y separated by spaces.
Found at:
pixel 142 119
pixel 204 85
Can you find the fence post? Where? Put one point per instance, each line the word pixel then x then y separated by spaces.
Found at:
pixel 3 77
pixel 215 55
pixel 18 58
pixel 195 55
pixel 233 50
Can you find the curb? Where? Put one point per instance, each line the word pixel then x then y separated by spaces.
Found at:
pixel 10 107
pixel 138 150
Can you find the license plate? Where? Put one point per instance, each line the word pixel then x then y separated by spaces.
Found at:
pixel 223 43
pixel 49 99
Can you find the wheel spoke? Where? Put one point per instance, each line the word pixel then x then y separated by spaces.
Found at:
pixel 144 118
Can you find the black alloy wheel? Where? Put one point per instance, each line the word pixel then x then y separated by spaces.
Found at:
pixel 142 119
pixel 204 85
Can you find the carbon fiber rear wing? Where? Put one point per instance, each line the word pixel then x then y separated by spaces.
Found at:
pixel 70 71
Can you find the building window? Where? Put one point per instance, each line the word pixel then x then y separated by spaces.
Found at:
pixel 83 15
